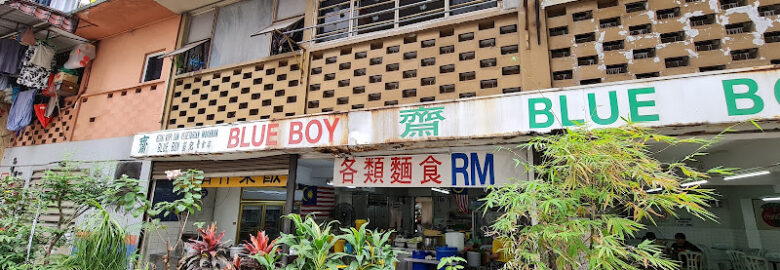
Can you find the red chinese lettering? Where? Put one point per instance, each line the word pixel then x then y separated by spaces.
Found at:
pixel 347 172
pixel 375 170
pixel 431 170
pixel 401 170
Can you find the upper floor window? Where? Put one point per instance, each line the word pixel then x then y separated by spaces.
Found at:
pixel 153 67
pixel 770 10
pixel 636 6
pixel 218 36
pixel 581 16
pixel 338 19
pixel 194 54
pixel 668 13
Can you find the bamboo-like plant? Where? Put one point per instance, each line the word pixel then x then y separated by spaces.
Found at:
pixel 592 190
pixel 100 244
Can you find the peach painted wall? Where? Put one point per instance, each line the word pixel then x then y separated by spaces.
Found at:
pixel 120 59
pixel 116 103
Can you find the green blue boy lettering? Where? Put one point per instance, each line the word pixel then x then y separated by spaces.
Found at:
pixel 732 97
pixel 613 105
pixel 635 104
pixel 533 112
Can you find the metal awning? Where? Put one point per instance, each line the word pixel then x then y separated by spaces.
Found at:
pixel 17 12
pixel 283 24
pixel 186 48
pixel 47 24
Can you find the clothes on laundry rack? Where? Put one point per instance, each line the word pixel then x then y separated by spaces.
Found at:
pixel 42 56
pixel 21 111
pixel 52 106
pixel 31 75
pixel 11 53
pixel 4 81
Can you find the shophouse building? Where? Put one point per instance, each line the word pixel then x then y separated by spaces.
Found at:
pixel 391 110
pixel 111 98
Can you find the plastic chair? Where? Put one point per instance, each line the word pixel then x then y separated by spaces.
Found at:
pixel 756 263
pixel 737 259
pixel 706 262
pixel 692 260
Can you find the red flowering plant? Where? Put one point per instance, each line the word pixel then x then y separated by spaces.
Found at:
pixel 208 252
pixel 262 251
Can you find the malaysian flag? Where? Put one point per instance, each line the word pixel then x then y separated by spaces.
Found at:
pixel 461 197
pixel 317 200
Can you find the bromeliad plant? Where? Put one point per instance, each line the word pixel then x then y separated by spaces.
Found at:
pixel 209 252
pixel 263 254
pixel 312 244
pixel 372 249
pixel 592 189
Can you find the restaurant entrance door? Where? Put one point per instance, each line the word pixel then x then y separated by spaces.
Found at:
pixel 260 216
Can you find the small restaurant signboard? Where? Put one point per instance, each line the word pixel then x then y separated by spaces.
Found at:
pixel 246 181
pixel 460 169
pixel 243 137
pixel 729 97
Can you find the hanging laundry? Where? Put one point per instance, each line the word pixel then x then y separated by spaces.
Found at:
pixel 11 53
pixel 21 111
pixel 54 103
pixel 42 56
pixel 9 93
pixel 64 5
pixel 40 112
pixel 4 81
pixel 27 37
pixel 80 56
pixel 33 76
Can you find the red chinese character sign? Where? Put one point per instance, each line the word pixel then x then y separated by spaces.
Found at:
pixel 458 169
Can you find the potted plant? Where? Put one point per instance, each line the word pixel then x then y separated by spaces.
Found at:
pixel 210 253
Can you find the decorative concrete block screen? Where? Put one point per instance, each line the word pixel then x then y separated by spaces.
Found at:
pixel 477 58
pixel 613 40
pixel 58 130
pixel 120 113
pixel 270 89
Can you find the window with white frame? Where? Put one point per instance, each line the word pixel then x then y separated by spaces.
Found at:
pixel 153 67
pixel 338 19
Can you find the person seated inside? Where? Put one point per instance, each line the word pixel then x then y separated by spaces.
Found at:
pixel 681 244
pixel 649 236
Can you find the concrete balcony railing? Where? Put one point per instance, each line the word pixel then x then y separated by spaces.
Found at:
pixel 475 56
pixel 269 88
pixel 60 129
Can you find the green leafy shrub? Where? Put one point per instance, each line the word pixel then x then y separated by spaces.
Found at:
pixel 592 190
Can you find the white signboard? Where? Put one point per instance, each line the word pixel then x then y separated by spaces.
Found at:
pixel 290 133
pixel 721 98
pixel 691 100
pixel 459 169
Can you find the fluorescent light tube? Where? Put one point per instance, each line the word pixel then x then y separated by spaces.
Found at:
pixel 653 190
pixel 746 175
pixel 441 190
pixel 694 183
pixel 771 199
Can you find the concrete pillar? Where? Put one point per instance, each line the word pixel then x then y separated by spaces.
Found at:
pixel 534 54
